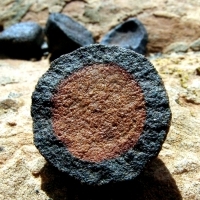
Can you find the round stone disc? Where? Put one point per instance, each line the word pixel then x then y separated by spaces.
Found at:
pixel 100 114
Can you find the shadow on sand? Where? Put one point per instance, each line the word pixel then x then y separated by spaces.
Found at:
pixel 155 183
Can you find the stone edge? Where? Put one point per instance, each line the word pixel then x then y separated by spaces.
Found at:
pixel 155 128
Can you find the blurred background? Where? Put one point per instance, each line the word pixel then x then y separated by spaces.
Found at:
pixel 167 21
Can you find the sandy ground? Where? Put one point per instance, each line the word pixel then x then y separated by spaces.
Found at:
pixel 175 174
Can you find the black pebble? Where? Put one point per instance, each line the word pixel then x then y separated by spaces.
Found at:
pixel 131 34
pixel 65 35
pixel 22 40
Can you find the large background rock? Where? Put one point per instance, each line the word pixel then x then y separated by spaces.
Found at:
pixel 166 21
pixel 175 174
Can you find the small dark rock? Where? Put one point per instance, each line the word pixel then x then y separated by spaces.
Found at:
pixel 65 35
pixel 22 40
pixel 11 124
pixel 131 34
pixel 59 127
pixel 37 191
pixel 198 71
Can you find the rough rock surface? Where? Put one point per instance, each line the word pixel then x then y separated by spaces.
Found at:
pixel 65 35
pixel 22 40
pixel 127 164
pixel 175 174
pixel 130 34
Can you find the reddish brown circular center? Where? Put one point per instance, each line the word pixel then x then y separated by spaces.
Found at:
pixel 98 112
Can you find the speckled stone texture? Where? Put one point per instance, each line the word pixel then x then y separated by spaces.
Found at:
pixel 98 112
pixel 22 40
pixel 130 34
pixel 131 163
pixel 65 35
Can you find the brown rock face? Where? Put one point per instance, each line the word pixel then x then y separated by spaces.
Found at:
pixel 99 112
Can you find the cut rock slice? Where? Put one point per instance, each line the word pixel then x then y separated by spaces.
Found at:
pixel 100 114
pixel 131 34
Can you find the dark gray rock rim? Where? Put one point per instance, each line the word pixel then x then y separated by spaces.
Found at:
pixel 127 166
